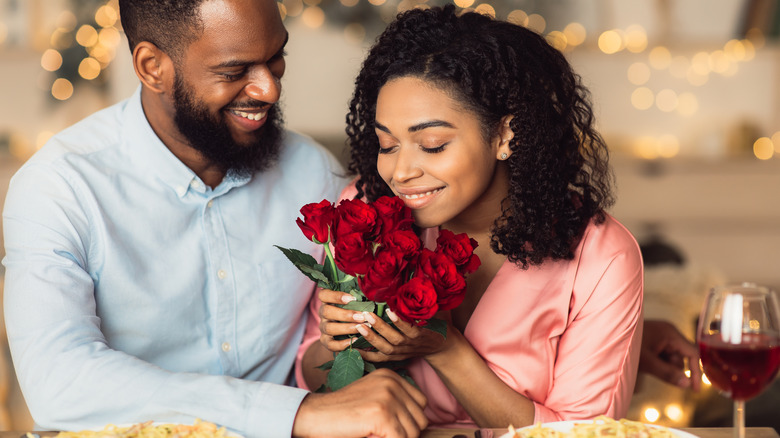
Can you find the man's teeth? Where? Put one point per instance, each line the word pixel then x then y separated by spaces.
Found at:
pixel 420 195
pixel 250 116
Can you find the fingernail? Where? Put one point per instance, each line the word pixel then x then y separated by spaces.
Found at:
pixel 358 317
pixel 347 299
pixel 362 329
pixel 393 317
pixel 368 316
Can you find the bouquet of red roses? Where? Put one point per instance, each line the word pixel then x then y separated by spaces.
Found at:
pixel 373 254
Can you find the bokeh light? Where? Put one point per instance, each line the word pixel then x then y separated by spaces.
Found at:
pixel 763 148
pixel 642 98
pixel 660 58
pixel 651 414
pixel 558 40
pixel 610 42
pixel 537 23
pixel 518 16
pixel 89 68
pixel 674 412
pixel 486 9
pixel 62 89
pixel 638 73
pixel 313 16
pixel 666 100
pixel 575 34
pixel 635 38
pixel 51 60
pixel 106 16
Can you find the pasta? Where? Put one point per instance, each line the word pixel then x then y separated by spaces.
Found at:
pixel 200 429
pixel 602 426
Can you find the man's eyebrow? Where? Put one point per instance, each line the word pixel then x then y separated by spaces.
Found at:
pixel 240 63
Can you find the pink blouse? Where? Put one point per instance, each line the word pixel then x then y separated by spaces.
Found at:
pixel 565 334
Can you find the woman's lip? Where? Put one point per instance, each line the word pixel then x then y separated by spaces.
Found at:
pixel 242 118
pixel 418 198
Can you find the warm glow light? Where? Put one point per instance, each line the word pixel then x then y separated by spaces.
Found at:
pixel 51 60
pixel 377 2
pixel 679 66
pixel 763 148
pixel 756 37
pixel 62 89
pixel 776 141
pixel 42 138
pixel 645 147
pixel 651 414
pixel 464 3
pixel 666 100
pixel 735 49
pixel 61 39
pixel 106 16
pixel 719 62
pixel 636 38
pixel 517 16
pixel 103 54
pixel 750 50
pixel 638 73
pixel 610 42
pixel 668 146
pixel 354 33
pixel 660 58
pixel 18 146
pixel 294 7
pixel 349 3
pixel 537 22
pixel 486 9
pixel 87 36
pixel 3 32
pixel 67 21
pixel 109 37
pixel 313 17
pixel 575 34
pixel 696 79
pixel 558 40
pixel 705 380
pixel 701 63
pixel 282 10
pixel 312 2
pixel 687 373
pixel 687 104
pixel 89 68
pixel 674 412
pixel 642 98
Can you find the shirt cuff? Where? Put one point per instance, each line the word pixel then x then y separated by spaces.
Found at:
pixel 272 412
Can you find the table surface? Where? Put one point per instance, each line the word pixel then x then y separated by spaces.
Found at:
pixel 701 432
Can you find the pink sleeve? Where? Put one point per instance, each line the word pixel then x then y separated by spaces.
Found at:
pixel 598 354
pixel 312 332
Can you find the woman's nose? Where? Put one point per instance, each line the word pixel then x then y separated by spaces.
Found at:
pixel 407 165
pixel 264 86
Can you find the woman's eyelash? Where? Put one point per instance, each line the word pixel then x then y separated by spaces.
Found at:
pixel 385 150
pixel 435 150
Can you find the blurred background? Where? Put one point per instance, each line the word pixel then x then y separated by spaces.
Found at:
pixel 686 92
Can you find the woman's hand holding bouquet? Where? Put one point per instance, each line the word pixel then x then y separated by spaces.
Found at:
pixel 378 274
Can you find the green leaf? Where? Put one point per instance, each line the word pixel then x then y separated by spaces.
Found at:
pixel 360 306
pixel 348 284
pixel 437 325
pixel 326 366
pixel 347 367
pixel 362 343
pixel 369 367
pixel 358 294
pixel 306 264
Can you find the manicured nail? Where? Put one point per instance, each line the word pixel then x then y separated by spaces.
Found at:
pixel 359 317
pixel 393 317
pixel 368 316
pixel 347 299
pixel 362 329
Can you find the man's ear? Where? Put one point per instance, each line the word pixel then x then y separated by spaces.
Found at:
pixel 153 67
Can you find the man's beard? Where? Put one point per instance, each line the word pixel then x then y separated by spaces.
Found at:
pixel 210 135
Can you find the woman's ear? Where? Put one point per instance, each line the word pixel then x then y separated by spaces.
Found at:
pixel 505 134
pixel 153 67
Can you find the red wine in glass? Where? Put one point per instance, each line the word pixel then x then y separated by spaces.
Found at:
pixel 743 370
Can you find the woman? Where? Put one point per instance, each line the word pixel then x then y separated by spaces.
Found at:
pixel 481 127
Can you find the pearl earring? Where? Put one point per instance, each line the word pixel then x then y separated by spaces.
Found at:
pixel 504 156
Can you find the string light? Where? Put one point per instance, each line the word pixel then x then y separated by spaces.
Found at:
pixel 651 414
pixel 763 148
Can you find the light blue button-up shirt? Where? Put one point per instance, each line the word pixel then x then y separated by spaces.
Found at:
pixel 134 292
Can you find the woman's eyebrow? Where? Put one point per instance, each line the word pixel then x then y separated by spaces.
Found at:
pixel 419 126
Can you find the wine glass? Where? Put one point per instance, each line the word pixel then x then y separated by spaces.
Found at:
pixel 739 343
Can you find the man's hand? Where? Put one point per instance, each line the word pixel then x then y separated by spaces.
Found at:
pixel 381 404
pixel 664 350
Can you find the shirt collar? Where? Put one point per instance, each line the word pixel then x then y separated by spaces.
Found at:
pixel 145 149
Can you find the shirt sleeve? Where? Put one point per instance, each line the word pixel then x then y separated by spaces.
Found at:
pixel 70 377
pixel 598 354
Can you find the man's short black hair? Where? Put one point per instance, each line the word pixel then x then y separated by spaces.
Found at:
pixel 171 25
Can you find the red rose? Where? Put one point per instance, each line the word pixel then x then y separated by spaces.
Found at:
pixel 460 248
pixel 393 214
pixel 449 283
pixel 355 216
pixel 415 301
pixel 353 254
pixel 403 241
pixel 317 218
pixel 384 275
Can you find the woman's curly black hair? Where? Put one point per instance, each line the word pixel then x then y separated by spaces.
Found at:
pixel 559 173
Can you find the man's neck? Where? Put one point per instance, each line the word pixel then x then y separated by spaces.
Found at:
pixel 160 114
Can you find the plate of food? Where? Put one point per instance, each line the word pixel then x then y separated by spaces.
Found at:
pixel 151 429
pixel 600 427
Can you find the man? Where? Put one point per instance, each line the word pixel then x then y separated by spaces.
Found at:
pixel 142 282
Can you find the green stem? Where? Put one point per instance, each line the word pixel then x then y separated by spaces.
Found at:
pixel 332 261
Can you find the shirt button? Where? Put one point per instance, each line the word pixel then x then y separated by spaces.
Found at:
pixel 226 346
pixel 210 204
pixel 195 184
pixel 221 274
pixel 181 191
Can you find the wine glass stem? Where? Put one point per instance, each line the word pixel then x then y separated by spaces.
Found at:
pixel 739 419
